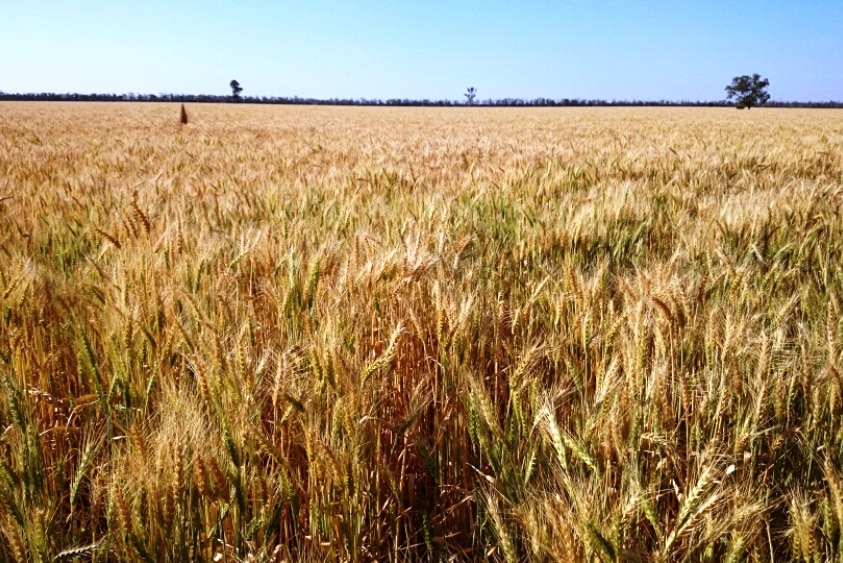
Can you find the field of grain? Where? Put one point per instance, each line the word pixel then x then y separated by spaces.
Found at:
pixel 371 334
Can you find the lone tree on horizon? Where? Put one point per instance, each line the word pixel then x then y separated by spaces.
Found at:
pixel 235 89
pixel 470 94
pixel 748 90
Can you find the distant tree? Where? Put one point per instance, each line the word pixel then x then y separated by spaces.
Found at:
pixel 748 91
pixel 235 89
pixel 470 94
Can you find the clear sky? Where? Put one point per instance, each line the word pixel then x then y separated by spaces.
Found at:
pixel 609 49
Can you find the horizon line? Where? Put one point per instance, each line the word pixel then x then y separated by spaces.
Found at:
pixel 299 100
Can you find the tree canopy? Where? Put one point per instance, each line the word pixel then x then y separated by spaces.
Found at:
pixel 470 95
pixel 235 89
pixel 748 91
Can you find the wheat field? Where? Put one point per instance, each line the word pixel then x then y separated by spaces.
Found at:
pixel 380 334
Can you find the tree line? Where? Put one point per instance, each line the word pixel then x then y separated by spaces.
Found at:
pixel 470 100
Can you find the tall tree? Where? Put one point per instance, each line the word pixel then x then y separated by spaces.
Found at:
pixel 748 91
pixel 470 94
pixel 235 89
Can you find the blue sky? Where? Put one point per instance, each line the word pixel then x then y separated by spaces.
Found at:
pixel 609 49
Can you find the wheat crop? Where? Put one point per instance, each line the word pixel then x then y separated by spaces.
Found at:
pixel 381 334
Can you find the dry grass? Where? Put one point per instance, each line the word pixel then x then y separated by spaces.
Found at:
pixel 293 333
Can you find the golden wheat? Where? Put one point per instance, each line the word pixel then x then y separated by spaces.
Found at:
pixel 356 334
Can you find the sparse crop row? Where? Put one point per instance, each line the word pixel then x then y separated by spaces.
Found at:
pixel 284 334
